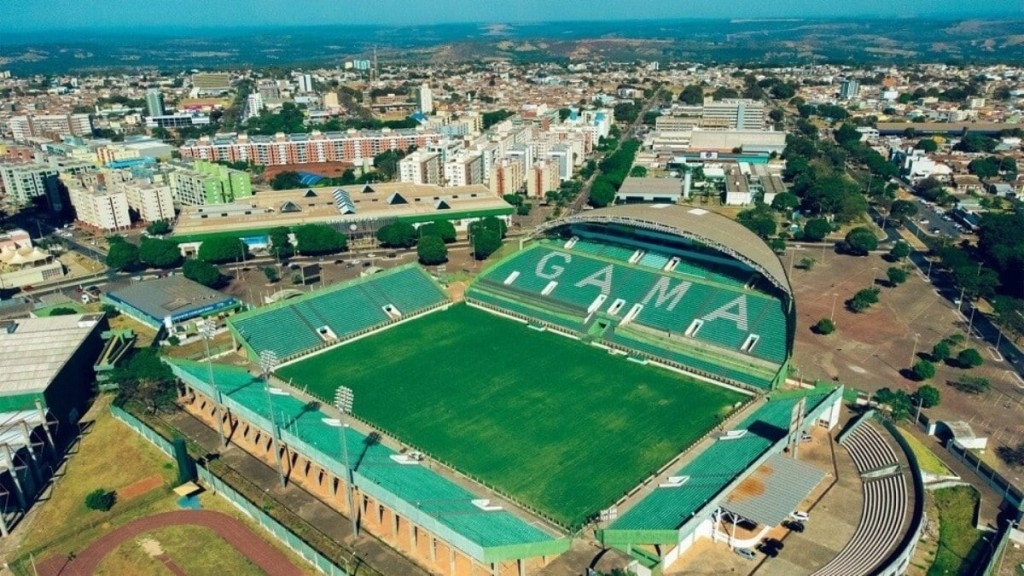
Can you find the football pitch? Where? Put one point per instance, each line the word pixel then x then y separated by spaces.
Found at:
pixel 561 426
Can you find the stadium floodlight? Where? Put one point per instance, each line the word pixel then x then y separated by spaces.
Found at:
pixel 207 328
pixel 343 400
pixel 268 361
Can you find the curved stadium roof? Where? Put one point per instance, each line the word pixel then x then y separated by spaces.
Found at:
pixel 716 231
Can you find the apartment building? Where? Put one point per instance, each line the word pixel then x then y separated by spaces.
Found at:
pixel 100 207
pixel 20 183
pixel 542 177
pixel 54 126
pixel 464 170
pixel 420 167
pixel 733 114
pixel 353 146
pixel 506 177
pixel 152 201
pixel 200 183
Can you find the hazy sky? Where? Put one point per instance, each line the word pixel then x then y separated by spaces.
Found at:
pixel 38 15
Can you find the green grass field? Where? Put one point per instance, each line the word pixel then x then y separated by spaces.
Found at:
pixel 561 426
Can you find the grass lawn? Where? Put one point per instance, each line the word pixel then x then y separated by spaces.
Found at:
pixel 960 544
pixel 561 426
pixel 927 459
pixel 195 549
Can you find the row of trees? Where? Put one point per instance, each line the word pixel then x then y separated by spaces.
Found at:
pixel 614 169
pixel 430 239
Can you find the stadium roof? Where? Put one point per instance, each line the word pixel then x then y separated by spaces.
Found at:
pixel 709 228
pixel 774 490
pixel 33 350
pixel 421 495
pixel 174 296
pixel 711 471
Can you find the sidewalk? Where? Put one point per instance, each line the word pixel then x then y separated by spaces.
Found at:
pixel 373 552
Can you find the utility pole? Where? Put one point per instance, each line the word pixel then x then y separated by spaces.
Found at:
pixel 343 400
pixel 268 360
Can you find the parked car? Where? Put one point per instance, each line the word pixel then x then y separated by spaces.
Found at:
pixel 793 525
pixel 746 553
pixel 799 515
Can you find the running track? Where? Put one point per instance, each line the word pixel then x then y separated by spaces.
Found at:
pixel 257 550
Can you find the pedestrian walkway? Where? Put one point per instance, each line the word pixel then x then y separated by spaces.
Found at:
pixel 370 551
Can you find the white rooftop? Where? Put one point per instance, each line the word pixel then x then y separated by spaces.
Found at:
pixel 33 350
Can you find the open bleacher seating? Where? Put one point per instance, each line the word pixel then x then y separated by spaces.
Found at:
pixel 884 509
pixel 741 336
pixel 291 327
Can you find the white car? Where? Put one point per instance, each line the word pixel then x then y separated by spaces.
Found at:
pixel 801 516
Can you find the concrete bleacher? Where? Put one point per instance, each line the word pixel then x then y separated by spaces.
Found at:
pixel 290 327
pixel 576 288
pixel 884 508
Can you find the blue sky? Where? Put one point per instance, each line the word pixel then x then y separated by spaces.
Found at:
pixel 39 15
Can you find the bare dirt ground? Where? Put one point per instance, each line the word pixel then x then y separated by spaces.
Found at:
pixel 873 349
pixel 325 169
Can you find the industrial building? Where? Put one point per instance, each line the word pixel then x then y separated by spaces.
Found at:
pixel 47 367
pixel 170 302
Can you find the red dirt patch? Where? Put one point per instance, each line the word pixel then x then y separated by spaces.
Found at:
pixel 141 487
pixel 325 169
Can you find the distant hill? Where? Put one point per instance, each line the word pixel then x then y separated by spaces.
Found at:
pixel 781 42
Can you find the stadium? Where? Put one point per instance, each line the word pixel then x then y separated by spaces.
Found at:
pixel 615 376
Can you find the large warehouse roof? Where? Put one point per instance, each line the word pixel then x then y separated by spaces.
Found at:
pixel 33 350
pixel 709 228
pixel 174 296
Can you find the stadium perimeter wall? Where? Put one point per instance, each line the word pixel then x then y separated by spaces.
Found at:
pixel 225 491
pixel 400 524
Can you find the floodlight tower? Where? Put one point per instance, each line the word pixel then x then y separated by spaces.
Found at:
pixel 268 360
pixel 206 330
pixel 343 399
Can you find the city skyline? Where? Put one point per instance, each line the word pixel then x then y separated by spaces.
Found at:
pixel 28 17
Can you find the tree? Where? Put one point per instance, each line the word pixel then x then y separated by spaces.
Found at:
pixel 602 192
pixel 146 381
pixel 816 229
pixel 971 384
pixel 825 326
pixel 218 250
pixel 863 300
pixel 100 499
pixel 443 229
pixel 286 180
pixel 271 273
pixel 513 199
pixel 203 272
pixel 806 263
pixel 860 241
pixel 899 250
pixel 485 241
pixel 431 250
pixel 969 358
pixel 692 95
pixel 280 245
pixel 158 253
pixel 122 254
pixel 63 311
pixel 924 370
pixel 940 351
pixel 398 235
pixel 984 168
pixel 638 172
pixel 109 310
pixel 159 228
pixel 928 145
pixel 785 202
pixel 759 220
pixel 898 402
pixel 776 115
pixel 927 396
pixel 896 275
pixel 1012 455
pixel 319 239
pixel 901 210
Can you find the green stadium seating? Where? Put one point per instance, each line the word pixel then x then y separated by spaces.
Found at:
pixel 280 330
pixel 653 260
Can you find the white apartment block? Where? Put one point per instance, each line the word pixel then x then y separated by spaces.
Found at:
pixel 464 170
pixel 733 114
pixel 420 167
pixel 425 100
pixel 100 207
pixel 152 201
pixel 20 183
pixel 50 125
pixel 561 156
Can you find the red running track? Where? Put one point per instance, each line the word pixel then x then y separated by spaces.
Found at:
pixel 249 544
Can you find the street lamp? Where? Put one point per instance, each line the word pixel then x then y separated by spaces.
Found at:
pixel 268 360
pixel 343 399
pixel 913 351
pixel 206 330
